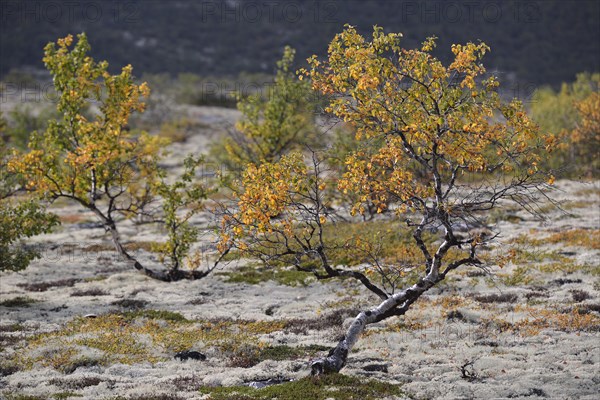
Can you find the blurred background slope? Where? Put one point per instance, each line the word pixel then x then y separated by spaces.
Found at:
pixel 536 42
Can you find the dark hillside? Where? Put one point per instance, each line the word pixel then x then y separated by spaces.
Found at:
pixel 535 42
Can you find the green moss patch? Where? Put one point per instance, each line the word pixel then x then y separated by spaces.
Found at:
pixel 254 274
pixel 155 314
pixel 18 302
pixel 336 386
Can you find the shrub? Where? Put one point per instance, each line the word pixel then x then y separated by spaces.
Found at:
pixel 424 131
pixel 105 167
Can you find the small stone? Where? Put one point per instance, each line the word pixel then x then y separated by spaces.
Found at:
pixel 190 354
pixel 376 368
pixel 271 309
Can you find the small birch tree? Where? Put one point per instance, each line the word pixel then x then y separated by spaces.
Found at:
pixel 99 163
pixel 449 151
pixel 273 125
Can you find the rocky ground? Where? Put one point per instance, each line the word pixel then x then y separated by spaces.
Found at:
pixel 79 324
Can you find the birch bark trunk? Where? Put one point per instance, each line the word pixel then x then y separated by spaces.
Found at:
pixel 396 304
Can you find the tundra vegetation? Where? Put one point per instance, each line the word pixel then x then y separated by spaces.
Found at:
pixel 423 160
pixel 573 115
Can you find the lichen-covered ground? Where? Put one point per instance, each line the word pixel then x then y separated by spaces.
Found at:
pixel 79 324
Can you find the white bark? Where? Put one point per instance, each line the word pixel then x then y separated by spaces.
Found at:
pixel 396 304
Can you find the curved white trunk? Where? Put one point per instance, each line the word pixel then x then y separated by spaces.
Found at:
pixel 396 304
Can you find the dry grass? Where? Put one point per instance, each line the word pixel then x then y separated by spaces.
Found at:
pixel 588 192
pixel 568 321
pixel 520 276
pixel 73 218
pixel 450 302
pixel 587 238
pixel 538 319
pixel 571 205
